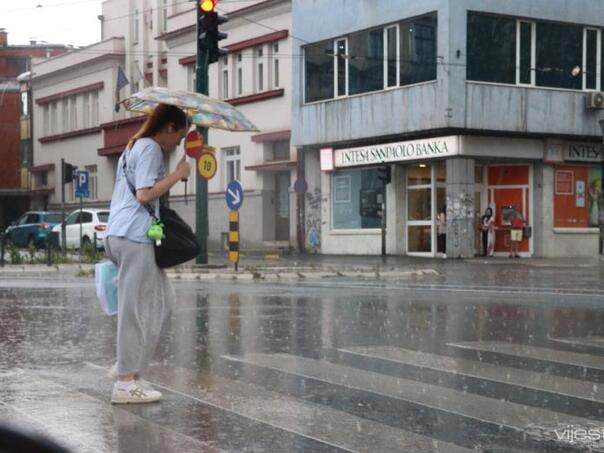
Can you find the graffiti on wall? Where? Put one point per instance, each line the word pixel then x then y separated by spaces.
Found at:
pixel 313 220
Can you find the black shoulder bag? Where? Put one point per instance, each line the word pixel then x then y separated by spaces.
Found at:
pixel 179 243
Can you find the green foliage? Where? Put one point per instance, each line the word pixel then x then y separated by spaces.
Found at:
pixel 15 255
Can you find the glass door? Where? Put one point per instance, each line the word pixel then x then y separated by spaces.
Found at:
pixel 420 210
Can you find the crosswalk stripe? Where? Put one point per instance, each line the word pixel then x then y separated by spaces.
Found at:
pixel 576 359
pixel 522 378
pixel 517 418
pixel 322 423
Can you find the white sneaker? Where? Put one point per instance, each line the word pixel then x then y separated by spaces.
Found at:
pixel 112 374
pixel 134 393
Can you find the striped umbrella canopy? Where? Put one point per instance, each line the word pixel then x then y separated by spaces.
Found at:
pixel 202 110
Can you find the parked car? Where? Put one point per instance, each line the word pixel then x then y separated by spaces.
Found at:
pixel 93 221
pixel 32 228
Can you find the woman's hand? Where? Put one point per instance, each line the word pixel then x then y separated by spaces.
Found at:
pixel 183 169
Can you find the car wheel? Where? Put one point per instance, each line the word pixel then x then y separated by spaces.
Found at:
pixel 86 242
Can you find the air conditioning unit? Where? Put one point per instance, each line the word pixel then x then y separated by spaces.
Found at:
pixel 595 100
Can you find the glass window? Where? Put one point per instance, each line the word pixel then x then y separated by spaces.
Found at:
pixel 86 217
pixel 276 74
pixel 103 216
pixel 420 238
pixel 92 181
pixel 232 164
pixel 491 49
pixel 357 199
pixel 53 218
pixel 418 50
pixel 319 71
pixel 73 218
pixel 225 84
pixel 420 204
pixel 418 175
pixel 32 218
pixel 391 56
pixel 591 59
pixel 366 62
pixel 24 103
pixel 559 49
pixel 341 58
pixel 260 77
pixel 135 19
pixel 525 72
pixel 281 150
pixel 86 112
pixel 239 80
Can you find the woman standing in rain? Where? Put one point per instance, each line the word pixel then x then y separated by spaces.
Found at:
pixel 145 295
pixel 487 224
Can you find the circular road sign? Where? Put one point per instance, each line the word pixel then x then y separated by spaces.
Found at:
pixel 206 165
pixel 194 144
pixel 234 195
pixel 300 186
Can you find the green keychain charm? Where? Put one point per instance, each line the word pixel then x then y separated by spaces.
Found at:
pixel 156 232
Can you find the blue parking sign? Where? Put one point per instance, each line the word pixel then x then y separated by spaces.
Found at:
pixel 82 185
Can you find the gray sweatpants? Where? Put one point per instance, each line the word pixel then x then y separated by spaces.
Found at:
pixel 145 298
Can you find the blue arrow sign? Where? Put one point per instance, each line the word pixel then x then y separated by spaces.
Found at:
pixel 234 195
pixel 82 185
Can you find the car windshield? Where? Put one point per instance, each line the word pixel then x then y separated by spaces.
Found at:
pixel 103 216
pixel 53 218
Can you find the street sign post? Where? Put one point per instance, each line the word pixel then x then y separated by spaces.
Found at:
pixel 234 195
pixel 234 238
pixel 194 144
pixel 82 191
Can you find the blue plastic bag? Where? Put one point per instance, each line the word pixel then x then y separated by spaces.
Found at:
pixel 105 276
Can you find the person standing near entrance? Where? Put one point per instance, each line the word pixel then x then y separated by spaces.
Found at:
pixel 145 295
pixel 516 233
pixel 487 223
pixel 441 231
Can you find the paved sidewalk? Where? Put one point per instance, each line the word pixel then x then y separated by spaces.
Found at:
pixel 298 267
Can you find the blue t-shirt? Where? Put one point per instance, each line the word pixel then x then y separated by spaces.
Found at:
pixel 145 166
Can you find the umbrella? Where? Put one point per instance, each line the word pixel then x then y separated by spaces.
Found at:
pixel 202 110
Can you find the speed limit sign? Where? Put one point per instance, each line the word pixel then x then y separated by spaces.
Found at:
pixel 206 165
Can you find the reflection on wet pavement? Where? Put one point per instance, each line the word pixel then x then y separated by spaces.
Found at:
pixel 433 365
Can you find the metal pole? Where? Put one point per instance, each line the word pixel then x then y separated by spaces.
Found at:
pixel 601 208
pixel 383 220
pixel 2 248
pixel 81 206
pixel 63 229
pixel 201 185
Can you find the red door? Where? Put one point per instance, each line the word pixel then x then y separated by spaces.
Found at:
pixel 503 198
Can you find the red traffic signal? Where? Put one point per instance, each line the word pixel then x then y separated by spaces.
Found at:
pixel 207 6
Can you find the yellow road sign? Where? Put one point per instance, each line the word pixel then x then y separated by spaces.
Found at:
pixel 206 165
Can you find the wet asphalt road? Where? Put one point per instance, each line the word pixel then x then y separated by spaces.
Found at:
pixel 480 358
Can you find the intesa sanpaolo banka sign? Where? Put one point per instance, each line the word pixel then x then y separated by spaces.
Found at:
pixel 430 148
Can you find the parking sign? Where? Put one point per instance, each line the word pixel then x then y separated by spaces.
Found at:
pixel 82 185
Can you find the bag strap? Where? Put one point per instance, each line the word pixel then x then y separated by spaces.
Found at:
pixel 149 209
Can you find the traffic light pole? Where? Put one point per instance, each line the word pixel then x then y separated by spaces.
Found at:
pixel 63 227
pixel 201 184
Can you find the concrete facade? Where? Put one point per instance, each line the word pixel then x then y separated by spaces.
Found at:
pixel 498 126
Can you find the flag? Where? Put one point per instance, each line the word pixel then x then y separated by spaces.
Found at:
pixel 122 81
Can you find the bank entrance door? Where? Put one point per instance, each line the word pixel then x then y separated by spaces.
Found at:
pixel 426 196
pixel 282 182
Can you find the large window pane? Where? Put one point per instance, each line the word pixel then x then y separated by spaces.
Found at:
pixel 559 49
pixel 525 52
pixel 591 57
pixel 418 50
pixel 319 71
pixel 418 175
pixel 366 63
pixel 420 238
pixel 491 49
pixel 420 205
pixel 357 199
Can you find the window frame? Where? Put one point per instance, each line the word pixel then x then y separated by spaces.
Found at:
pixel 598 81
pixel 398 56
pixel 232 155
pixel 533 60
pixel 336 55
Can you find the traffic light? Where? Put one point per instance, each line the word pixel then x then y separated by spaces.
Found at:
pixel 384 174
pixel 209 35
pixel 68 173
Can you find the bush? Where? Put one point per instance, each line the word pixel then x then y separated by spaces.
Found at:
pixel 15 255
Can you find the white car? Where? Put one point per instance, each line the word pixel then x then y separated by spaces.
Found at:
pixel 93 221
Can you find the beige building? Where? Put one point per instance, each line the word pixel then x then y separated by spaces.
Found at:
pixel 154 42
